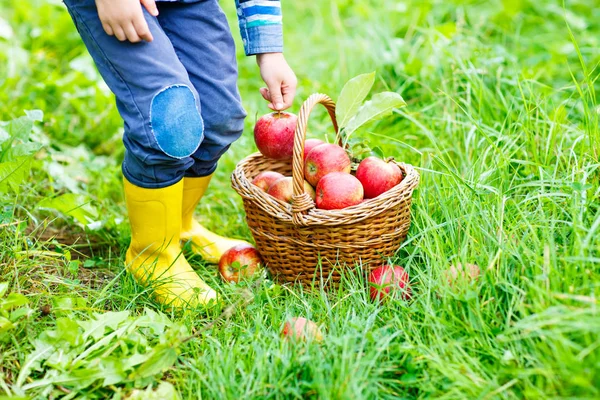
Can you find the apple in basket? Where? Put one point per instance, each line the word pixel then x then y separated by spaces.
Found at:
pixel 323 159
pixel 310 144
pixel 240 261
pixel 283 189
pixel 265 179
pixel 301 328
pixel 388 279
pixel 338 190
pixel 378 176
pixel 274 135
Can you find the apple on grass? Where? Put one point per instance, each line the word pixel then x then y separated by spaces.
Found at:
pixel 274 135
pixel 466 273
pixel 265 179
pixel 310 144
pixel 338 190
pixel 283 189
pixel 324 159
pixel 378 176
pixel 301 328
pixel 240 261
pixel 389 279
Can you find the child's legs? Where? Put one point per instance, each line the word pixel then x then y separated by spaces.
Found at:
pixel 155 97
pixel 202 40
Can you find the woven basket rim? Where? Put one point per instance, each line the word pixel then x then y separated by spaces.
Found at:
pixel 314 216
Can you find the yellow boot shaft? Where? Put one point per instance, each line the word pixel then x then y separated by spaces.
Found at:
pixel 205 243
pixel 154 257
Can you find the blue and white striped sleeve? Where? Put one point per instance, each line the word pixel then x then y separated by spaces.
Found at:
pixel 260 26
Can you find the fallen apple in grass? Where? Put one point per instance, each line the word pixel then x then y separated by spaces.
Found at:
pixel 378 176
pixel 301 328
pixel 274 135
pixel 265 179
pixel 338 190
pixel 458 272
pixel 387 280
pixel 310 144
pixel 283 189
pixel 240 261
pixel 324 159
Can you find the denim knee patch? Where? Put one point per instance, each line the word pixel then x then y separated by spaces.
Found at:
pixel 176 122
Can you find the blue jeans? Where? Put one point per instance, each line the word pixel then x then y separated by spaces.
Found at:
pixel 177 95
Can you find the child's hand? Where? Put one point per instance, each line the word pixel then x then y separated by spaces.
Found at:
pixel 125 18
pixel 280 79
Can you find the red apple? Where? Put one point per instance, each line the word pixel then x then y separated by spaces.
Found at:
pixel 274 135
pixel 338 190
pixel 324 159
pixel 283 189
pixel 301 328
pixel 265 179
pixel 388 279
pixel 468 273
pixel 378 176
pixel 240 261
pixel 310 144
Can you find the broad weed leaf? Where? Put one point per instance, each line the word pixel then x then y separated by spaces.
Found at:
pixel 162 358
pixel 351 97
pixel 154 321
pixel 96 327
pixel 4 136
pixel 14 300
pixel 13 173
pixel 35 115
pixel 5 326
pixel 23 149
pixel 75 205
pixel 16 150
pixel 19 128
pixel 164 391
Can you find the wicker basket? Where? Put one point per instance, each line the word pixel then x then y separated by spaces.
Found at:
pixel 294 239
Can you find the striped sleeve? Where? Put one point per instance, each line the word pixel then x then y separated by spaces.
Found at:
pixel 260 26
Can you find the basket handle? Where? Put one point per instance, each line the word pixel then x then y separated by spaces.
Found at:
pixel 301 201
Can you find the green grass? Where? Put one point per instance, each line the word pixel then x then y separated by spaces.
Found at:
pixel 503 125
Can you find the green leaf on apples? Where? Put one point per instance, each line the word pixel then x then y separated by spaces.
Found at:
pixel 351 97
pixel 377 151
pixel 380 105
pixel 360 150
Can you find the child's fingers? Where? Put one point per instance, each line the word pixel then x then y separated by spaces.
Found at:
pixel 108 29
pixel 276 96
pixel 141 27
pixel 131 33
pixel 288 91
pixel 267 96
pixel 150 6
pixel 265 93
pixel 119 33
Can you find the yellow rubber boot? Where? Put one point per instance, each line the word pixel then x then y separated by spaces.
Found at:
pixel 205 243
pixel 154 257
